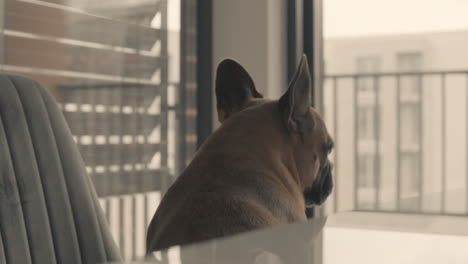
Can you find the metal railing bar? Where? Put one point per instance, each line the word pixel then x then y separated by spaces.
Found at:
pixel 409 212
pixel 136 174
pixel 335 135
pixel 421 143
pixel 139 129
pixel 377 142
pixel 164 86
pixel 466 147
pixel 108 156
pixel 145 210
pixel 134 233
pixel 120 129
pixel 397 144
pixel 121 237
pixel 88 152
pixel 115 126
pixel 442 127
pixel 387 74
pixel 355 143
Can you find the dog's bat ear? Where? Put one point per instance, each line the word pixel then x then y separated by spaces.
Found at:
pixel 295 103
pixel 234 88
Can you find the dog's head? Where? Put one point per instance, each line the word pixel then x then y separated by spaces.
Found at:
pixel 302 126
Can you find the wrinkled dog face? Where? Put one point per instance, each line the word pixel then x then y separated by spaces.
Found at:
pixel 321 188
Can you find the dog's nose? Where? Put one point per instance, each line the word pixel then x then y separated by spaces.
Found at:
pixel 322 186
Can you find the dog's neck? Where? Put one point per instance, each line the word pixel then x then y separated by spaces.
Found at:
pixel 260 141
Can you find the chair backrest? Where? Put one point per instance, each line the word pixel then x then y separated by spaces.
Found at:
pixel 49 212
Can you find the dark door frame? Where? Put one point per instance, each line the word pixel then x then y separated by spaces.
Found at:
pixel 204 70
pixel 305 36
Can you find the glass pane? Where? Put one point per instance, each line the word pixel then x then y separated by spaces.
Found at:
pixel 406 58
pixel 109 64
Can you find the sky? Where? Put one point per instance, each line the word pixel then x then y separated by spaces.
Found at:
pixel 369 17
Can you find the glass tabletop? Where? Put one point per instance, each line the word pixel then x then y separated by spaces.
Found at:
pixel 348 237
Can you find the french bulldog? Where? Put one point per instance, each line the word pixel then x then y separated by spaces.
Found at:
pixel 265 164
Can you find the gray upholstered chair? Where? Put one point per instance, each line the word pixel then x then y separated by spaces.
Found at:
pixel 49 211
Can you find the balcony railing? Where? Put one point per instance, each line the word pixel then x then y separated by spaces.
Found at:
pixel 401 141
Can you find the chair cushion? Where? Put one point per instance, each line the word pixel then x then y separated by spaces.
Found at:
pixel 49 212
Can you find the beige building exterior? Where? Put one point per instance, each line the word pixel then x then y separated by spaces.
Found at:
pixel 426 117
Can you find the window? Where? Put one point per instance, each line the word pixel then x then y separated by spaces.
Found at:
pixel 366 168
pixel 410 130
pixel 366 180
pixel 419 63
pixel 410 85
pixel 409 124
pixel 409 171
pixel 368 64
pixel 366 86
pixel 409 61
pixel 366 124
pixel 114 68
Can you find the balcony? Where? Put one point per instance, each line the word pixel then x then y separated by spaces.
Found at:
pixel 417 124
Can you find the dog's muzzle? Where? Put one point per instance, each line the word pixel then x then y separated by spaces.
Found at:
pixel 321 188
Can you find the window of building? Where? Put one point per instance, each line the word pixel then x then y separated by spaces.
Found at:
pixel 410 130
pixel 366 86
pixel 367 64
pixel 409 124
pixel 409 171
pixel 410 84
pixel 366 124
pixel 409 61
pixel 422 62
pixel 366 169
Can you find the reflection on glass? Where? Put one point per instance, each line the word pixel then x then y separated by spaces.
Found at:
pixel 352 237
pixel 109 65
pixel 292 243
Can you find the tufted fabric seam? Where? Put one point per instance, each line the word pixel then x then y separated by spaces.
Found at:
pixel 91 236
pixel 47 203
pixel 73 208
pixel 15 85
pixel 28 235
pixel 3 256
pixel 65 180
pixel 6 189
pixel 98 219
pixel 5 252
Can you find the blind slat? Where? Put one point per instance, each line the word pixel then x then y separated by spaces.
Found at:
pixel 72 24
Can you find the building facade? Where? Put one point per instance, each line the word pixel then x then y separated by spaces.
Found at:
pixel 397 105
